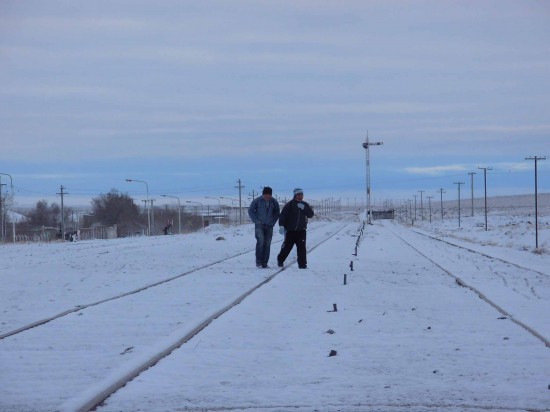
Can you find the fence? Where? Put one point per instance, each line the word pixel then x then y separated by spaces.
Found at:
pixel 99 232
pixel 38 237
pixel 47 234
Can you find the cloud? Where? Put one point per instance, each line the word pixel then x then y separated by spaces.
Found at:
pixel 193 86
pixel 52 90
pixel 56 176
pixel 62 24
pixel 436 170
pixel 516 167
pixel 490 128
pixel 442 170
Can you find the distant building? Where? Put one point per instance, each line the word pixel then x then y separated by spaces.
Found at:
pixel 383 214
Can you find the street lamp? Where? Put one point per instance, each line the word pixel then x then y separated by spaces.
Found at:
pixel 228 198
pixel 148 210
pixel 232 204
pixel 219 207
pixel 12 207
pixel 179 211
pixel 215 198
pixel 202 210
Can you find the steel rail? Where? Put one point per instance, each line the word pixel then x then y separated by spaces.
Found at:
pixel 121 295
pixel 95 396
pixel 481 295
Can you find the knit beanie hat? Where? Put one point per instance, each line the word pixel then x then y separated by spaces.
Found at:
pixel 298 191
pixel 267 191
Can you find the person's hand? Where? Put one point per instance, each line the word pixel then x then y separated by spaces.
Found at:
pixel 281 230
pixel 301 206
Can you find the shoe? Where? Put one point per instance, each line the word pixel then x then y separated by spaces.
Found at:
pixel 265 266
pixel 280 264
pixel 259 265
pixel 302 267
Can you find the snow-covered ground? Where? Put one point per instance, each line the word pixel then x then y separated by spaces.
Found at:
pixel 510 222
pixel 407 335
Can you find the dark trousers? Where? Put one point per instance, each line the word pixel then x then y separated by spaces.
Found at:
pixel 292 238
pixel 264 234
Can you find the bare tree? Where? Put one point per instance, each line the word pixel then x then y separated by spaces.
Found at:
pixel 115 208
pixel 41 215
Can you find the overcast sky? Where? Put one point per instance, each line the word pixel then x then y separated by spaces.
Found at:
pixel 191 96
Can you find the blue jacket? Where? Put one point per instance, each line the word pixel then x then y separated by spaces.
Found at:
pixel 264 212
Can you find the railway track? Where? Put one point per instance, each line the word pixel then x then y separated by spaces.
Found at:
pixel 101 394
pixel 479 253
pixel 160 296
pixel 79 308
pixel 198 359
pixel 124 364
pixel 477 274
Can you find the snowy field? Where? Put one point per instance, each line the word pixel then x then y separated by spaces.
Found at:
pixel 424 323
pixel 510 222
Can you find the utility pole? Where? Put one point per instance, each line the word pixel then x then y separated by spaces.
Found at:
pixel 458 183
pixel 430 206
pixel 472 186
pixel 441 191
pixel 536 159
pixel 421 204
pixel 485 184
pixel 2 231
pixel 152 216
pixel 415 206
pixel 240 187
pixel 12 206
pixel 62 193
pixel 367 146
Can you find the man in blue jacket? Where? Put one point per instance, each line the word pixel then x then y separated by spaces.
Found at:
pixel 264 212
pixel 293 224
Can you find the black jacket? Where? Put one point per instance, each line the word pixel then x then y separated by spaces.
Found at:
pixel 294 218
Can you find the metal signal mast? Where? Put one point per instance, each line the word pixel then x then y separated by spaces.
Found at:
pixel 366 146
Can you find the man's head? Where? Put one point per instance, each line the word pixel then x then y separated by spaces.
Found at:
pixel 298 194
pixel 267 193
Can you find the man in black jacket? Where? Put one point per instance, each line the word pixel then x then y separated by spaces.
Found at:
pixel 293 223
